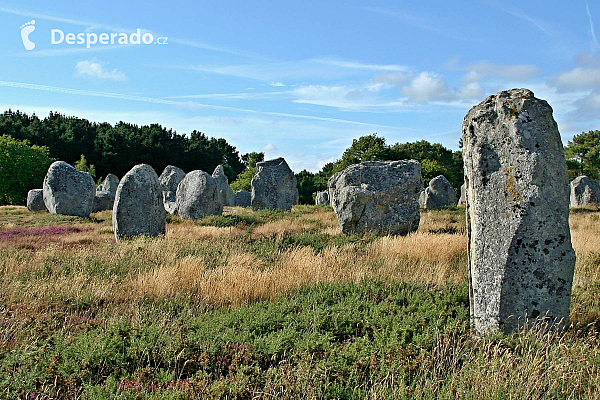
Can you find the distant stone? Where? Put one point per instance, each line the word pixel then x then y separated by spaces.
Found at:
pixel 110 184
pixel 103 201
pixel 378 197
pixel 198 196
pixel 169 200
pixel 226 196
pixel 68 191
pixel 322 198
pixel 138 208
pixel 463 195
pixel 296 197
pixel 170 178
pixel 584 192
pixel 438 194
pixel 274 186
pixel 243 198
pixel 35 200
pixel 520 255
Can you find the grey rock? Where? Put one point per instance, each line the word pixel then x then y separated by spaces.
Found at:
pixel 520 255
pixel 322 198
pixel 110 184
pixel 138 208
pixel 274 186
pixel 198 196
pixel 584 191
pixel 68 191
pixel 296 197
pixel 463 195
pixel 379 197
pixel 169 200
pixel 438 194
pixel 226 196
pixel 170 178
pixel 35 200
pixel 243 198
pixel 103 200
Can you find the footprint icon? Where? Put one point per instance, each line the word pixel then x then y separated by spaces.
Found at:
pixel 26 29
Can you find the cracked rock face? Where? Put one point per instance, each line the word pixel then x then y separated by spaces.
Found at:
pixel 274 186
pixel 68 191
pixel 103 200
pixel 198 196
pixel 584 191
pixel 439 193
pixel 379 197
pixel 138 208
pixel 517 203
pixel 226 196
pixel 322 198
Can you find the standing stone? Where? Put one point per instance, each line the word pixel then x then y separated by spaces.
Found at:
pixel 68 191
pixel 110 184
pixel 322 198
pixel 138 208
pixel 243 198
pixel 273 186
pixel 584 192
pixel 463 195
pixel 198 196
pixel 379 197
pixel 169 179
pixel 35 200
pixel 103 201
pixel 296 197
pixel 438 194
pixel 520 255
pixel 226 196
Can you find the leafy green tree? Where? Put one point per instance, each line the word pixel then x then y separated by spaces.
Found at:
pixel 306 187
pixel 365 148
pixel 430 169
pixel 244 180
pixel 583 155
pixel 82 166
pixel 22 168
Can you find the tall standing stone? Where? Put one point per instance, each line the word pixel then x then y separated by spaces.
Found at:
pixel 520 255
pixel 273 186
pixel 439 193
pixel 322 198
pixel 110 184
pixel 226 196
pixel 379 197
pixel 198 196
pixel 138 208
pixel 35 200
pixel 584 192
pixel 68 191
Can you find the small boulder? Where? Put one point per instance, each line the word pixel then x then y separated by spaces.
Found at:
pixel 226 196
pixel 110 184
pixel 439 193
pixel 68 191
pixel 138 208
pixel 379 197
pixel 35 200
pixel 322 198
pixel 170 178
pixel 584 192
pixel 274 186
pixel 243 198
pixel 198 196
pixel 103 201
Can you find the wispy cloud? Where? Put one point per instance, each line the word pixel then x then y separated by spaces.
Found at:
pixel 234 96
pixel 276 84
pixel 405 18
pixel 358 65
pixel 484 69
pixel 95 70
pixel 520 14
pixel 594 40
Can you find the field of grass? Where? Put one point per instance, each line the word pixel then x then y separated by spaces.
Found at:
pixel 271 305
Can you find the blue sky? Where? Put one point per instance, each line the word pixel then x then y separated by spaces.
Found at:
pixel 301 80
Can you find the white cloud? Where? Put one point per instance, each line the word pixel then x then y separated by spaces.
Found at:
pixel 95 70
pixel 578 78
pixel 393 79
pixel 594 40
pixel 472 90
pixel 269 147
pixel 516 72
pixel 276 84
pixel 426 87
pixel 358 65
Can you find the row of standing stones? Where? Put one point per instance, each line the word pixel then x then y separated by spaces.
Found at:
pixel 516 195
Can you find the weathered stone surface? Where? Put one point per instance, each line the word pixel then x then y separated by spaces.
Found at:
pixel 463 195
pixel 170 178
pixel 296 197
pixel 35 200
pixel 243 198
pixel 198 196
pixel 438 194
pixel 379 197
pixel 274 186
pixel 520 255
pixel 103 201
pixel 226 196
pixel 138 208
pixel 169 200
pixel 584 191
pixel 68 191
pixel 322 198
pixel 110 184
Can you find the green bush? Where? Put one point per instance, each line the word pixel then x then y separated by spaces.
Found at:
pixel 22 167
